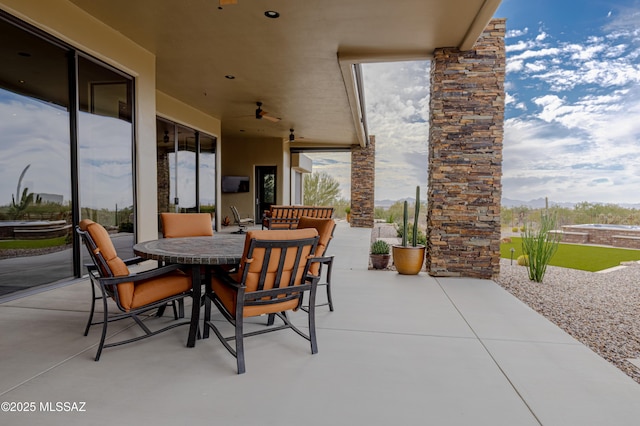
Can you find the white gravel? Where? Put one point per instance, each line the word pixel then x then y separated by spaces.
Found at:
pixel 601 310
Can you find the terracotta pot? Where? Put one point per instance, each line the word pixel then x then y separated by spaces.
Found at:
pixel 379 261
pixel 408 259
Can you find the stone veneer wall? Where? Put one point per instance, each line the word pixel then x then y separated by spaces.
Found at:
pixel 363 173
pixel 164 176
pixel 465 157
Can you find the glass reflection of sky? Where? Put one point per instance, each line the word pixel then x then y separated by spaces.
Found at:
pixel 207 179
pixel 36 133
pixel 105 162
pixel 186 179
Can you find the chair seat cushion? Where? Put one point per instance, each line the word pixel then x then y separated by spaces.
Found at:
pixel 152 290
pixel 228 296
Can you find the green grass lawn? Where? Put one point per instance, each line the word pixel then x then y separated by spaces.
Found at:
pixel 576 256
pixel 32 244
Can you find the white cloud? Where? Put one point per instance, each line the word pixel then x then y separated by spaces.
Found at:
pixel 398 115
pixel 514 66
pixel 541 36
pixel 580 140
pixel 516 33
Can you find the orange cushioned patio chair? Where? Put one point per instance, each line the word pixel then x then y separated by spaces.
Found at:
pixel 272 278
pixel 177 225
pixel 182 225
pixel 325 228
pixel 133 293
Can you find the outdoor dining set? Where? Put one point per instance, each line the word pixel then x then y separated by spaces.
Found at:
pixel 258 273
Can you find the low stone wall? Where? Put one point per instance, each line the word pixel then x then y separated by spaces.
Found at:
pixel 615 237
pixel 36 230
pixel 626 241
pixel 572 237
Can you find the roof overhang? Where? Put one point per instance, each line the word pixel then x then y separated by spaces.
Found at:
pixel 303 66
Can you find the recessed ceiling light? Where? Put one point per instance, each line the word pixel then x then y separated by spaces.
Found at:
pixel 272 14
pixel 229 77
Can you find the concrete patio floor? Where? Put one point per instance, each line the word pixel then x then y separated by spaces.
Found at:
pixel 414 350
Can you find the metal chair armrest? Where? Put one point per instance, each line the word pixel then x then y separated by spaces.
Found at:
pixel 139 276
pixel 322 259
pixel 133 260
pixel 226 278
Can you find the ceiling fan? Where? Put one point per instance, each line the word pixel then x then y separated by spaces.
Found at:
pixel 260 114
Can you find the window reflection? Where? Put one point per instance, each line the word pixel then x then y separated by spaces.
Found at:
pixel 104 151
pixel 186 165
pixel 207 174
pixel 36 196
pixel 35 169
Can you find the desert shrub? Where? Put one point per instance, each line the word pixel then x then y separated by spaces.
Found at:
pixel 125 227
pixel 540 246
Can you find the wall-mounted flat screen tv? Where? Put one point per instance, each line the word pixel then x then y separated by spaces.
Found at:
pixel 235 184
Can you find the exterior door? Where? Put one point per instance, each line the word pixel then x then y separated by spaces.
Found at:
pixel 266 194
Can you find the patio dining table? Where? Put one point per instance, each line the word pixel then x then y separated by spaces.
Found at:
pixel 194 252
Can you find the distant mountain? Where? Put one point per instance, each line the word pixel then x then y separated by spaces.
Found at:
pixel 539 203
pixel 388 203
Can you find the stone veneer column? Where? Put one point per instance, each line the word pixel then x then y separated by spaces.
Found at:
pixel 164 176
pixel 465 157
pixel 363 174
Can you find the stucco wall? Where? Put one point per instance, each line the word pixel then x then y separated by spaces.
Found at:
pixel 240 159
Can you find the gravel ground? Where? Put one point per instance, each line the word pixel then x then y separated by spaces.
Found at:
pixel 601 310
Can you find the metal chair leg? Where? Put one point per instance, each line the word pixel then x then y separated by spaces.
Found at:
pixel 240 344
pixel 329 299
pixel 93 308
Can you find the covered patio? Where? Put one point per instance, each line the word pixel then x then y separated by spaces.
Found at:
pixel 397 350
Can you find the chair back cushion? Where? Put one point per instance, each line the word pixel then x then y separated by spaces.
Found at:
pixel 256 264
pixel 176 225
pixel 112 266
pixel 325 228
pixel 251 269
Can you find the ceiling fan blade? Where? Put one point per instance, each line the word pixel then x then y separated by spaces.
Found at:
pixel 261 113
pixel 270 118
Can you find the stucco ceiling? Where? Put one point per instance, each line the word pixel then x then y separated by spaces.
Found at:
pixel 291 64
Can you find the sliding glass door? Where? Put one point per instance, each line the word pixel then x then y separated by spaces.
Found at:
pixel 65 154
pixel 105 160
pixel 35 167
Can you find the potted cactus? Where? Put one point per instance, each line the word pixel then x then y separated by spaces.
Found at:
pixel 379 254
pixel 408 258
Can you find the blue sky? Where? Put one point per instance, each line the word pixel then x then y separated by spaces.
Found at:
pixel 572 128
pixel 572 118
